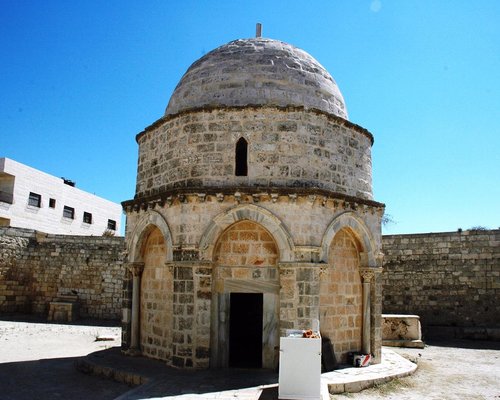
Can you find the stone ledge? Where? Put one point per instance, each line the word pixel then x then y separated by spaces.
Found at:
pixel 88 367
pixel 417 344
pixel 199 194
pixel 333 118
pixel 353 380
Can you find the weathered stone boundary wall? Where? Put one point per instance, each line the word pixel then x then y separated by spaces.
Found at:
pixel 451 280
pixel 36 267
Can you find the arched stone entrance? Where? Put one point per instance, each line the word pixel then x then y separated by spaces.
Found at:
pixel 245 302
pixel 341 297
pixel 353 261
pixel 149 247
pixel 155 298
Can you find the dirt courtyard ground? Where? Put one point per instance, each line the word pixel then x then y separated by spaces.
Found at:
pixel 448 370
pixel 36 361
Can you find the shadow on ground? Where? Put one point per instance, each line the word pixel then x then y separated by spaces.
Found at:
pixel 41 319
pixel 160 380
pixel 465 344
pixel 54 379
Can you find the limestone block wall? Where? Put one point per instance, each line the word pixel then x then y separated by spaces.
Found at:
pixel 341 298
pixel 287 147
pixel 451 280
pixel 35 268
pixel 14 281
pixel 219 243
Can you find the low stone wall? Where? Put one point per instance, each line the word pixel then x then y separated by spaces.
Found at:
pixel 36 268
pixel 451 280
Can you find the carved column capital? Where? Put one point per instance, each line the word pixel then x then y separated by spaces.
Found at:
pixel 367 274
pixel 136 268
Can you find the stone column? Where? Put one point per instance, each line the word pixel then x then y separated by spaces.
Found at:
pixel 367 274
pixel 136 268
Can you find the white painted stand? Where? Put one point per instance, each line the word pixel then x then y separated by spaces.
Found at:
pixel 300 368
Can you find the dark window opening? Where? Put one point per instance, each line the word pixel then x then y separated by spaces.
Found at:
pixel 112 224
pixel 87 217
pixel 245 330
pixel 52 203
pixel 241 156
pixel 4 221
pixel 69 212
pixel 35 200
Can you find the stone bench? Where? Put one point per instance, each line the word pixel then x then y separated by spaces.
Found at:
pixel 400 330
pixel 63 309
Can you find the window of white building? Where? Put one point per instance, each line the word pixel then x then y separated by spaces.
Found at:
pixel 112 224
pixel 69 212
pixel 35 200
pixel 87 217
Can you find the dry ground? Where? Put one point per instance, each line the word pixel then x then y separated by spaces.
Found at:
pixel 452 370
pixel 36 361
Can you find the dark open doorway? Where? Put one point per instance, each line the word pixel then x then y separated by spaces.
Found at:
pixel 245 330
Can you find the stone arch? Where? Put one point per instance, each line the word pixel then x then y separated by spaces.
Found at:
pixel 341 295
pixel 246 243
pixel 253 213
pixel 350 221
pixel 156 297
pixel 141 231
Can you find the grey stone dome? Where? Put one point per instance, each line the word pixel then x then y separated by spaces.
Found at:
pixel 257 71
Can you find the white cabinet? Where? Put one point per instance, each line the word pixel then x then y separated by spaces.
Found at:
pixel 300 368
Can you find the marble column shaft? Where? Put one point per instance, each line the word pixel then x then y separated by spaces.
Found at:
pixel 367 276
pixel 136 269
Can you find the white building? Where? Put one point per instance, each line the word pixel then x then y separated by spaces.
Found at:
pixel 32 199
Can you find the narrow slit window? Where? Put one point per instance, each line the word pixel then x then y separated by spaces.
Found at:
pixel 241 156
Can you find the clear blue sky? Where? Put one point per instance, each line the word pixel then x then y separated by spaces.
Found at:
pixel 79 79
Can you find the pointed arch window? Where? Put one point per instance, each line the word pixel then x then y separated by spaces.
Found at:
pixel 241 157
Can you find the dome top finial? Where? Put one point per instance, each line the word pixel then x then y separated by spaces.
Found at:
pixel 258 30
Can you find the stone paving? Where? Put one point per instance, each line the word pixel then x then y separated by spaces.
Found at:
pixel 158 381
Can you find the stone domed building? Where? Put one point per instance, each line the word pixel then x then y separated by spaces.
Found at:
pixel 253 214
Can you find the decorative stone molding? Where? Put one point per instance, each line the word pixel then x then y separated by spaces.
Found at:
pixel 142 228
pixel 367 274
pixel 349 219
pixel 328 198
pixel 338 120
pixel 202 197
pixel 136 268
